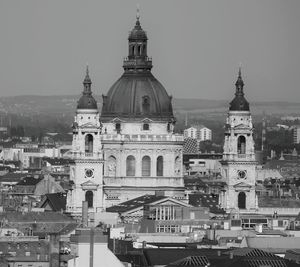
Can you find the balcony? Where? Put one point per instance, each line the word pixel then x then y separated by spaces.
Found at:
pixel 142 138
pixel 144 181
pixel 87 155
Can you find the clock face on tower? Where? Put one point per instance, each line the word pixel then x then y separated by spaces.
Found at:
pixel 89 173
pixel 242 174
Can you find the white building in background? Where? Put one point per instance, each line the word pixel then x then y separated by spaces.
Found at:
pixel 199 132
pixel 296 133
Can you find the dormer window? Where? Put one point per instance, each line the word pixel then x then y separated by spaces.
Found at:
pixel 146 104
pixel 118 127
pixel 146 127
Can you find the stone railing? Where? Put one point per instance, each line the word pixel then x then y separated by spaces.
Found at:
pixel 87 155
pixel 142 137
pixel 143 181
pixel 280 211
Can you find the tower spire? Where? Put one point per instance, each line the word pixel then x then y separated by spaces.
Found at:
pixel 138 12
pixel 87 82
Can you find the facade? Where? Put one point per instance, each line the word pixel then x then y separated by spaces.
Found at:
pixel 87 169
pixel 141 152
pixel 239 165
pixel 199 132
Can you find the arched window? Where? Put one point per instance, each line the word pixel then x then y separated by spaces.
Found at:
pixel 89 198
pixel 89 143
pixel 160 166
pixel 118 127
pixel 111 166
pixel 241 145
pixel 146 126
pixel 242 200
pixel 177 166
pixel 130 166
pixel 139 50
pixel 146 166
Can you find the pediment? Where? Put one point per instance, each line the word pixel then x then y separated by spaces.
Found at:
pixel 89 185
pixel 242 185
pixel 88 125
pixel 146 120
pixel 241 126
pixel 117 120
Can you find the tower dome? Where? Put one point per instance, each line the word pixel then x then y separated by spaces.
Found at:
pixel 137 94
pixel 239 103
pixel 87 101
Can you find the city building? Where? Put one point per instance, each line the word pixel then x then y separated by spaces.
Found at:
pixel 239 165
pixel 142 154
pixel 199 132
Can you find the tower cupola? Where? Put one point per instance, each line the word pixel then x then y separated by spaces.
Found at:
pixel 87 101
pixel 137 60
pixel 239 103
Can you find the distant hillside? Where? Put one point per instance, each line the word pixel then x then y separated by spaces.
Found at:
pixel 66 105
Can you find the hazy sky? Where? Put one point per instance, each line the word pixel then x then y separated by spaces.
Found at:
pixel 196 46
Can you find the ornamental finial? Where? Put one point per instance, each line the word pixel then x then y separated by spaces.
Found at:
pixel 137 12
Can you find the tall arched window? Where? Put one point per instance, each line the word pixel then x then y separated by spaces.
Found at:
pixel 242 200
pixel 146 166
pixel 118 127
pixel 130 166
pixel 177 165
pixel 89 198
pixel 111 166
pixel 89 143
pixel 160 166
pixel 241 145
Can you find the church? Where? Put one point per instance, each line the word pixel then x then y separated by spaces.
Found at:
pixel 130 149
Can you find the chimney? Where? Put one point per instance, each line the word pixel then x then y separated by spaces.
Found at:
pixel 84 213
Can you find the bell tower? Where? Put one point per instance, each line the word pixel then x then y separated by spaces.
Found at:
pixel 86 173
pixel 239 165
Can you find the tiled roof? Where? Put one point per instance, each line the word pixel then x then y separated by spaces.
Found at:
pixel 57 161
pixel 12 177
pixel 200 261
pixel 190 146
pixel 57 201
pixel 206 200
pixel 29 181
pixel 134 203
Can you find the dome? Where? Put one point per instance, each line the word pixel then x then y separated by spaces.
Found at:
pixel 137 96
pixel 87 101
pixel 137 33
pixel 239 103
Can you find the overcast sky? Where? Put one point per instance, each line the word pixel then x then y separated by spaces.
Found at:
pixel 196 46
